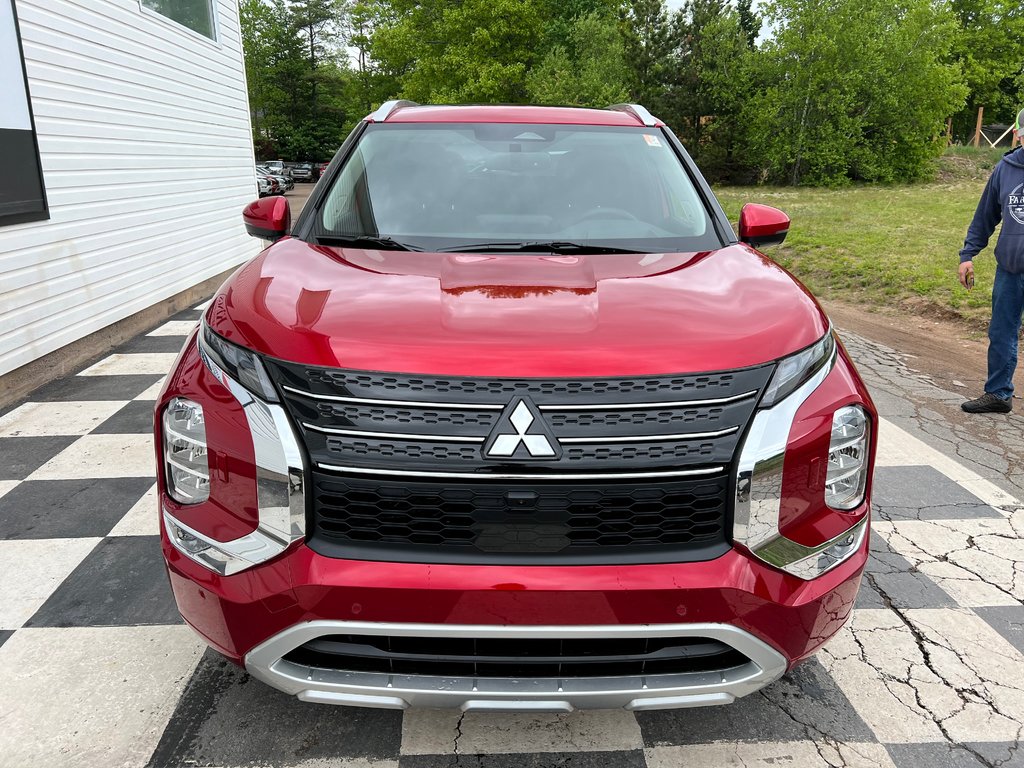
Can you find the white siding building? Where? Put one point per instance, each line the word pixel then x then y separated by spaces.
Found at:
pixel 142 125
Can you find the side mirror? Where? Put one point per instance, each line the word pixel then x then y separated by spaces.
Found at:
pixel 762 225
pixel 268 218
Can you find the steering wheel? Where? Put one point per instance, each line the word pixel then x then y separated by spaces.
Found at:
pixel 610 213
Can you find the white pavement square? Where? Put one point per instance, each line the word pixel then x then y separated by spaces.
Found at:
pixel 101 456
pixel 799 754
pixel 174 328
pixel 94 696
pixel 123 364
pixel 433 732
pixel 59 418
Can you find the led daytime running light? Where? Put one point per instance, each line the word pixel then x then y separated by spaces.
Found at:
pixel 794 370
pixel 241 364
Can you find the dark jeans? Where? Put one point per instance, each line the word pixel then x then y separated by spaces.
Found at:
pixel 1007 305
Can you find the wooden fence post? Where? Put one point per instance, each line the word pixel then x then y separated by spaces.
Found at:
pixel 977 128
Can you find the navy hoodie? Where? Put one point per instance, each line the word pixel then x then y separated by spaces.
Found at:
pixel 1002 200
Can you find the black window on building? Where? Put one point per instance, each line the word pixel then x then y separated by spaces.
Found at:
pixel 22 194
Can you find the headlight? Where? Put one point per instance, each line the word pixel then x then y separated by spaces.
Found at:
pixel 847 474
pixel 187 467
pixel 794 370
pixel 241 364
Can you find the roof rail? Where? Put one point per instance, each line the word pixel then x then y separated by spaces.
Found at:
pixel 637 111
pixel 384 110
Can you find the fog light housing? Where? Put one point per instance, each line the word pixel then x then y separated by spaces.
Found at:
pixel 847 475
pixel 186 464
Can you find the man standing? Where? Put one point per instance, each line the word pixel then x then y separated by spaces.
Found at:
pixel 1003 199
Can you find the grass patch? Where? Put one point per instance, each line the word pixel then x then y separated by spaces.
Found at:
pixel 886 246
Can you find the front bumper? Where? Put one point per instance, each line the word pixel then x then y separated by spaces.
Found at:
pixel 258 616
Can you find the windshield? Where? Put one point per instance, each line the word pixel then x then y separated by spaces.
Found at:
pixel 446 186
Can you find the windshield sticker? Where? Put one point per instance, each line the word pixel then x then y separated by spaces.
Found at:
pixel 652 141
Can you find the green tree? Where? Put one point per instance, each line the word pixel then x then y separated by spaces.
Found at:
pixel 589 70
pixel 852 89
pixel 648 49
pixel 302 92
pixel 990 48
pixel 469 51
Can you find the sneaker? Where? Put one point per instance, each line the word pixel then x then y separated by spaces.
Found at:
pixel 988 403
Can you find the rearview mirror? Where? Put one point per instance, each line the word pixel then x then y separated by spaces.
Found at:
pixel 762 225
pixel 268 218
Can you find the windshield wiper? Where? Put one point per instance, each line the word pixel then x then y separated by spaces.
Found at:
pixel 366 241
pixel 539 246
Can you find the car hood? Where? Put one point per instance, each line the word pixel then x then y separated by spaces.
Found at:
pixel 516 315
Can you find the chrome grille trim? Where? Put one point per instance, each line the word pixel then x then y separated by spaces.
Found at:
pixel 403 403
pixel 702 472
pixel 646 406
pixel 651 438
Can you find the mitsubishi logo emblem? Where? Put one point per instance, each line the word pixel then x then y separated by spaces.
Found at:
pixel 521 433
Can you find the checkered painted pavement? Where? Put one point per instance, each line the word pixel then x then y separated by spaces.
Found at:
pixel 97 669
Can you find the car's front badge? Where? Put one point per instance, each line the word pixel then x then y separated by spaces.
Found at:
pixel 521 433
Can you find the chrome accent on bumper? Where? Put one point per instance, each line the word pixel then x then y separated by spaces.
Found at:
pixel 224 557
pixel 759 480
pixel 800 561
pixel 366 689
pixel 525 476
pixel 280 494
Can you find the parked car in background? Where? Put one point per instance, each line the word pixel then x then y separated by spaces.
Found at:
pixel 304 172
pixel 274 185
pixel 276 166
pixel 265 184
pixel 286 182
pixel 320 168
pixel 510 419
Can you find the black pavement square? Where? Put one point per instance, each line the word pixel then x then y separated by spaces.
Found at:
pixel 940 755
pixel 891 576
pixel 67 509
pixel 121 583
pixel 120 387
pixel 1003 754
pixel 804 704
pixel 135 418
pixel 151 344
pixel 21 456
pixel 4 634
pixel 226 718
pixel 1007 620
pixel 188 314
pixel 610 759
pixel 924 493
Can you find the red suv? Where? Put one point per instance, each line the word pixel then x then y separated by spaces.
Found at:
pixel 509 419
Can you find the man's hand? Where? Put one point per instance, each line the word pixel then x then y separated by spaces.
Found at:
pixel 967 274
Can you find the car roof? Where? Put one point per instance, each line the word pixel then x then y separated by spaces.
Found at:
pixel 513 114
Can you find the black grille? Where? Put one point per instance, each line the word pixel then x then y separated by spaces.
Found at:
pixel 521 523
pixel 399 386
pixel 517 657
pixel 404 466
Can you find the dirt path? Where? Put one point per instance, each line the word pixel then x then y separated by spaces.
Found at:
pixel 951 355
